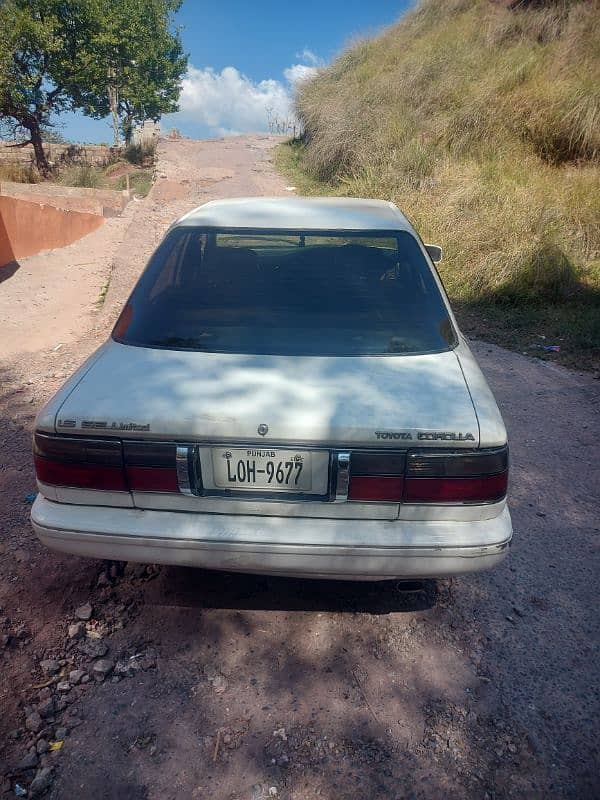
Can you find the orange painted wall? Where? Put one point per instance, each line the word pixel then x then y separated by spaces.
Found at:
pixel 28 228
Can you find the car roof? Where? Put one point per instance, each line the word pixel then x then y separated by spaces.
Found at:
pixel 298 213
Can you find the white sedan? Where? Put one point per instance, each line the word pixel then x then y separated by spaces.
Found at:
pixel 286 391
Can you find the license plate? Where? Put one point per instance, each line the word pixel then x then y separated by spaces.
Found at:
pixel 269 470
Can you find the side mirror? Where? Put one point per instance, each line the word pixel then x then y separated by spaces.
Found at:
pixel 435 252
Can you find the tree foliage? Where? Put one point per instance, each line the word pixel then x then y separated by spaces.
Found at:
pixel 59 55
pixel 136 54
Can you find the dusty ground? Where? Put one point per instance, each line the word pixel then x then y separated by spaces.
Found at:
pixel 228 686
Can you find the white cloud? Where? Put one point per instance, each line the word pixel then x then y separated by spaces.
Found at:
pixel 299 72
pixel 310 58
pixel 228 102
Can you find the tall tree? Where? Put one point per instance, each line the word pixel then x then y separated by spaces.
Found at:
pixel 139 61
pixel 41 43
pixel 90 55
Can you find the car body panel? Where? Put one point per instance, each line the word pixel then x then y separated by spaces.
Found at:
pixel 375 550
pixel 492 431
pixel 286 213
pixel 304 400
pixel 46 416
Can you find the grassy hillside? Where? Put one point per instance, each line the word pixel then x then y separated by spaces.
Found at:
pixel 483 125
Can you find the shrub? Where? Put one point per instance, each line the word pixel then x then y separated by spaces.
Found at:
pixel 18 173
pixel 83 176
pixel 140 182
pixel 141 154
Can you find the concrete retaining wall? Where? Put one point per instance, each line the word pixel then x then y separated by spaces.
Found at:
pixel 105 202
pixel 27 228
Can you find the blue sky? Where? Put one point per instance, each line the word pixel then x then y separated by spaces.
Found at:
pixel 246 57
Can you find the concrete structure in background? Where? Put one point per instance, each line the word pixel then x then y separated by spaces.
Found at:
pixel 147 134
pixel 105 202
pixel 36 217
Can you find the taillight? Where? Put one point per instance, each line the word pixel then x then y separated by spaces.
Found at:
pixel 429 477
pixel 105 464
pixel 151 466
pixel 376 477
pixel 441 477
pixel 78 462
pixel 123 323
pixel 376 487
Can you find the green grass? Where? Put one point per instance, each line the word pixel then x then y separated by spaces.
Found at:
pixel 140 182
pixel 103 293
pixel 83 176
pixel 483 125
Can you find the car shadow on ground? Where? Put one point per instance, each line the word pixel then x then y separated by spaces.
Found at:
pixel 196 588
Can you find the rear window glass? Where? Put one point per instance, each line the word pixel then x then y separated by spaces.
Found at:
pixel 287 293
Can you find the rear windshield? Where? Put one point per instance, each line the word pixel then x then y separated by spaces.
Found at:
pixel 292 293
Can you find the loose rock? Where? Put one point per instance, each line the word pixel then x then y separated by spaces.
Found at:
pixel 75 676
pixel 34 722
pixel 76 630
pixel 60 734
pixel 219 684
pixel 46 707
pixel 102 668
pixel 41 782
pixel 29 762
pixel 84 612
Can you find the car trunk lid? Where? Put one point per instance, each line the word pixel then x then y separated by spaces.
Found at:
pixel 367 401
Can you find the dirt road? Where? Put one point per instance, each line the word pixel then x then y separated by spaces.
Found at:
pixel 238 687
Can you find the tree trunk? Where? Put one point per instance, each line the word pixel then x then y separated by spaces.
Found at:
pixel 41 162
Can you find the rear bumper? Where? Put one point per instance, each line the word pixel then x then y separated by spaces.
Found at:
pixel 330 548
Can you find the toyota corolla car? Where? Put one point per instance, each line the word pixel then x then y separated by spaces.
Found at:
pixel 286 391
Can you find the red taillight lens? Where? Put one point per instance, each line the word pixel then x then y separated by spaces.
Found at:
pixel 150 466
pixel 460 477
pixel 472 476
pixel 456 490
pixel 123 323
pixel 105 464
pixel 376 477
pixel 83 476
pixel 78 462
pixel 376 487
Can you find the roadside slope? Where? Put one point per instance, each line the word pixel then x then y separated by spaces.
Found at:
pixel 483 124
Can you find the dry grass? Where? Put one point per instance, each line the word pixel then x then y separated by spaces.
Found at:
pixel 18 173
pixel 87 176
pixel 483 125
